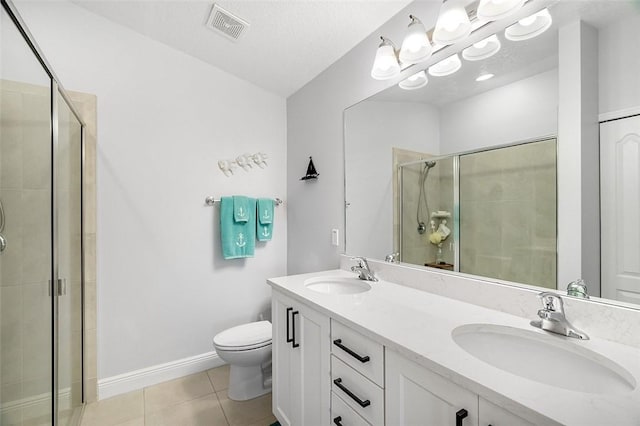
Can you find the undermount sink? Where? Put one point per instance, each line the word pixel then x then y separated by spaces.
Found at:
pixel 544 358
pixel 337 285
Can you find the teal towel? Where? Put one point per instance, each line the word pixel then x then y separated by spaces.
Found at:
pixel 238 238
pixel 241 210
pixel 265 219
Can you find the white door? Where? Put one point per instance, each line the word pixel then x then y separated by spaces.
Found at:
pixel 620 209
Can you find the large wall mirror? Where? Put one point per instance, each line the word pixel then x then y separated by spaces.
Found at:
pixel 523 166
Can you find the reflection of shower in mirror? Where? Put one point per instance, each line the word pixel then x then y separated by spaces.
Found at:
pixel 422 197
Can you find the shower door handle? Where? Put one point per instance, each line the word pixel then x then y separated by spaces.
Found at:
pixel 62 287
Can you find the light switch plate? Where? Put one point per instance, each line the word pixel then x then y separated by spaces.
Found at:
pixel 335 237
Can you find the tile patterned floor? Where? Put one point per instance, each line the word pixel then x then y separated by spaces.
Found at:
pixel 197 400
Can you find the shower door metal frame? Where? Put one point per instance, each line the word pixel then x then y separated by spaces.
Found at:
pixel 57 91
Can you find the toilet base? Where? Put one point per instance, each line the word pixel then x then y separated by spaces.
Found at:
pixel 247 382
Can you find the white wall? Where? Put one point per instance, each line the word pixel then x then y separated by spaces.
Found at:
pixel 619 65
pixel 522 110
pixel 164 120
pixel 372 129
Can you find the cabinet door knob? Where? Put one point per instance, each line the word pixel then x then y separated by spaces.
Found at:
pixel 293 329
pixel 363 404
pixel 289 339
pixel 362 359
pixel 461 415
pixel 338 421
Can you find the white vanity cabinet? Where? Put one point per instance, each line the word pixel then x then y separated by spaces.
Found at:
pixel 357 378
pixel 492 415
pixel 301 363
pixel 416 396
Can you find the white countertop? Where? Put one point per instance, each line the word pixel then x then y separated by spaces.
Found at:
pixel 418 325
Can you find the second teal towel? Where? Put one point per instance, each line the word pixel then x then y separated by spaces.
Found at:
pixel 265 219
pixel 238 237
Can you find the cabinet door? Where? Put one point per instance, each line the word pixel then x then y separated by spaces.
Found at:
pixel 416 396
pixel 301 359
pixel 314 366
pixel 492 415
pixel 283 390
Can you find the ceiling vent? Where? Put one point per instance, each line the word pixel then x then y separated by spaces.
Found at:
pixel 226 23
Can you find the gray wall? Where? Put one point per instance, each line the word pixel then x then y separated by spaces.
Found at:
pixel 314 128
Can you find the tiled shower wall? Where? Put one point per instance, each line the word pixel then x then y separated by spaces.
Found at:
pixel 25 337
pixel 508 213
pixel 25 188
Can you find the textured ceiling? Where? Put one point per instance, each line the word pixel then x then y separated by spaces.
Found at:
pixel 288 42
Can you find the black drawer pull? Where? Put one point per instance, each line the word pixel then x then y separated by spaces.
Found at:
pixel 363 404
pixel 460 415
pixel 289 339
pixel 293 328
pixel 362 359
pixel 338 421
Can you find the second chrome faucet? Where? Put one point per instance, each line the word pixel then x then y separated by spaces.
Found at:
pixel 553 319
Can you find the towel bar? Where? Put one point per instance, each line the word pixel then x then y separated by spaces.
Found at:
pixel 210 201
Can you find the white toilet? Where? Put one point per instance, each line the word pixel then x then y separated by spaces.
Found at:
pixel 247 349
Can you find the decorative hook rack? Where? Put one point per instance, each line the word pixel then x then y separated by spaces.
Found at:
pixel 245 161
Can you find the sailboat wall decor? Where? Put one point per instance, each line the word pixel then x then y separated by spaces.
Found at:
pixel 311 171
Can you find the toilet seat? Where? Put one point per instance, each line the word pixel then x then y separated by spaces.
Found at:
pixel 244 337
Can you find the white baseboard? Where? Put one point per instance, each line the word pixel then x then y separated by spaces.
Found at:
pixel 138 379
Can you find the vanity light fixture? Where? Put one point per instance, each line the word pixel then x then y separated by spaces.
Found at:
pixel 446 66
pixel 453 23
pixel 416 46
pixel 386 65
pixel 416 81
pixel 529 27
pixel 482 49
pixel 484 77
pixel 492 10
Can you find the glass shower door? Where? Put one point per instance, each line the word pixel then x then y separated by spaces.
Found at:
pixel 68 184
pixel 26 265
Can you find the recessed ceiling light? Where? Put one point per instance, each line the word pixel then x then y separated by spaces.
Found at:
pixel 484 77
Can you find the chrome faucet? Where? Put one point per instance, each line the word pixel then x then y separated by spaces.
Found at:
pixel 552 317
pixel 577 288
pixel 362 269
pixel 392 258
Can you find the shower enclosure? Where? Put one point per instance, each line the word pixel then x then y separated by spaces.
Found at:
pixel 41 262
pixel 490 213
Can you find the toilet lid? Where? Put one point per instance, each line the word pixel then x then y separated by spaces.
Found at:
pixel 244 335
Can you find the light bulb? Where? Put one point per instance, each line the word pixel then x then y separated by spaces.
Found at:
pixel 415 81
pixel 453 23
pixel 527 21
pixel 529 27
pixel 482 49
pixel 385 65
pixel 492 10
pixel 416 46
pixel 481 44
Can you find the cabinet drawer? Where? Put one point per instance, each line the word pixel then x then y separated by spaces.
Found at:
pixel 360 393
pixel 343 415
pixel 358 351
